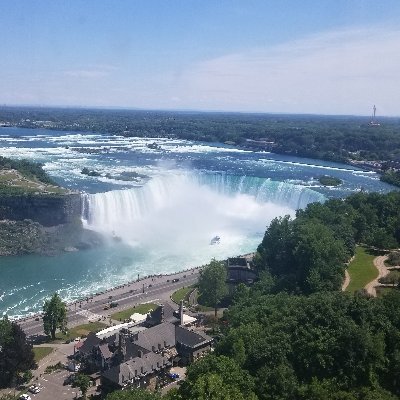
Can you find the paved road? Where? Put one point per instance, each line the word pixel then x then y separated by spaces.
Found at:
pixel 156 288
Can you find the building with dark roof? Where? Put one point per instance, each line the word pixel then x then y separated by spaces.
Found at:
pixel 239 270
pixel 139 372
pixel 138 357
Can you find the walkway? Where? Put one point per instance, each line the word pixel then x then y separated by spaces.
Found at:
pixel 379 263
pixel 346 281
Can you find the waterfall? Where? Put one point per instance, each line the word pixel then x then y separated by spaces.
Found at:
pixel 187 207
pixel 264 190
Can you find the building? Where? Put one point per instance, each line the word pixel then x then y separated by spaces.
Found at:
pixel 140 356
pixel 239 270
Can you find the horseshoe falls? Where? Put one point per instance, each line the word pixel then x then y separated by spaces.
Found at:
pixel 184 211
pixel 182 195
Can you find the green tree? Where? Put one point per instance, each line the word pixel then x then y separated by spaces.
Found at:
pixel 54 316
pixel 82 382
pixel 16 354
pixel 275 251
pixel 319 257
pixel 212 284
pixel 212 387
pixel 217 368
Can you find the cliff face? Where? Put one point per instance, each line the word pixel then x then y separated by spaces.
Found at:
pixel 42 224
pixel 47 210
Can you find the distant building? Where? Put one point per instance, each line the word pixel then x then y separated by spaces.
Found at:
pixel 239 270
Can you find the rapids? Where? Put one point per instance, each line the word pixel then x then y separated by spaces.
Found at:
pixel 183 194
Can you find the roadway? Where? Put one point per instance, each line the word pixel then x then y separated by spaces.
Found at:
pixel 156 288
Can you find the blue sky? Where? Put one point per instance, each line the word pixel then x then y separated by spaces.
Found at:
pixel 324 57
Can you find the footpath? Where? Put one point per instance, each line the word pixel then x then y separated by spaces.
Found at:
pixel 379 263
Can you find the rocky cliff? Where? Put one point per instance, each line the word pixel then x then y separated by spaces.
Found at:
pixel 45 209
pixel 37 215
pixel 42 224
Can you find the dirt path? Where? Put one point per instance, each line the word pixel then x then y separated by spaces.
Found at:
pixel 379 263
pixel 346 281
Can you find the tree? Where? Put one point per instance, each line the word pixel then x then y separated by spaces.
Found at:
pixel 212 387
pixel 55 316
pixel 212 285
pixel 274 254
pixel 16 355
pixel 216 369
pixel 133 394
pixel 82 382
pixel 319 257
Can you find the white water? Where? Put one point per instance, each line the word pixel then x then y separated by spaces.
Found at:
pixel 171 219
pixel 181 212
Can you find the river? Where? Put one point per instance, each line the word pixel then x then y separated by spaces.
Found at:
pixel 165 202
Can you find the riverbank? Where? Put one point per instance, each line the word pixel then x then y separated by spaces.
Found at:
pixel 114 293
pixel 153 288
pixel 142 284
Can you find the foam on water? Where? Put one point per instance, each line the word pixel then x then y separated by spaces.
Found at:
pixel 185 210
pixel 196 191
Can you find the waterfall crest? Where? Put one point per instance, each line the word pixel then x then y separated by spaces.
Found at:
pixel 193 206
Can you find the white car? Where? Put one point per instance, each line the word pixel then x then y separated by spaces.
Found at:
pixel 25 397
pixel 34 389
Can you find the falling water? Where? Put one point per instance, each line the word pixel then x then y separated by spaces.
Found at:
pixel 181 209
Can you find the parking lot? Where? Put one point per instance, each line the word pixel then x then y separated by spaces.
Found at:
pixel 52 387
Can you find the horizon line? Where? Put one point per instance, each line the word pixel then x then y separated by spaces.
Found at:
pixel 185 110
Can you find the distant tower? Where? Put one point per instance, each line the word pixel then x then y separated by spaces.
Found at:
pixel 373 121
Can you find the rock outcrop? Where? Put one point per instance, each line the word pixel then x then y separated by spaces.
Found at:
pixel 42 224
pixel 45 209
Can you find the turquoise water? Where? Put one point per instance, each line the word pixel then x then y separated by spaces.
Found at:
pixel 186 194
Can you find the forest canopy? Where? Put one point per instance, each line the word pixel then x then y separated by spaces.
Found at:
pixel 336 138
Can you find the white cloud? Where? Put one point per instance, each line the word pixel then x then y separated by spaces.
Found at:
pixel 336 73
pixel 342 72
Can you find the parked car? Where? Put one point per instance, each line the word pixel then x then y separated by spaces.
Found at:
pixel 113 304
pixel 173 375
pixel 25 397
pixel 34 389
pixel 175 280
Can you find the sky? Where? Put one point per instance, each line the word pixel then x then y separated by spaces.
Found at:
pixel 286 56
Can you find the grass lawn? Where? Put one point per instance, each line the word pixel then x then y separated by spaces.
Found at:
pixel 141 309
pixel 181 294
pixel 41 352
pixel 81 330
pixel 361 269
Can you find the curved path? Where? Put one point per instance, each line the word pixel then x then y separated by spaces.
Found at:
pixel 346 281
pixel 379 263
